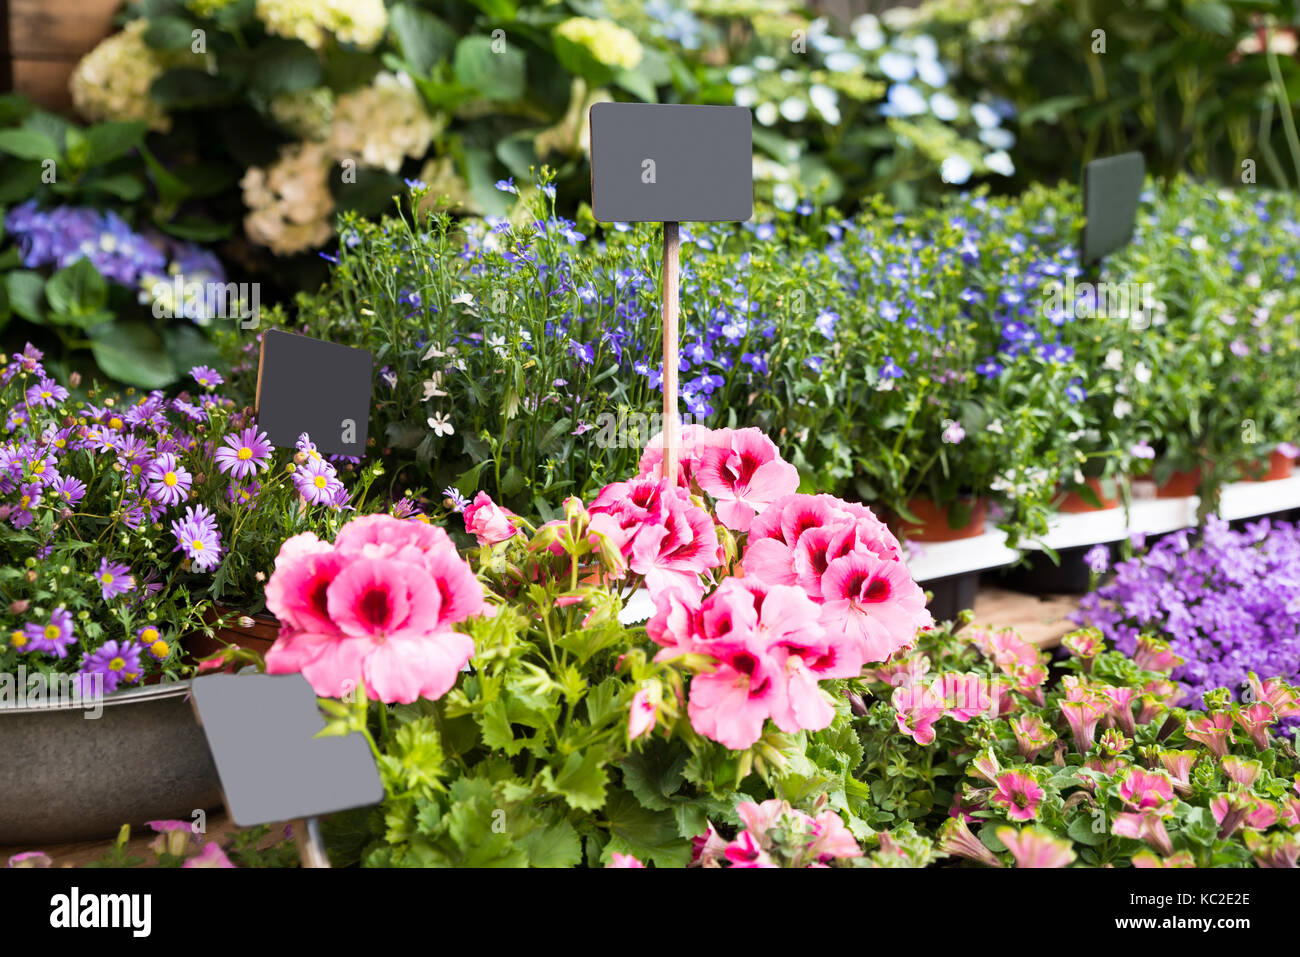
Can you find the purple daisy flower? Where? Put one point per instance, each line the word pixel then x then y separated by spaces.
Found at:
pixel 153 642
pixel 117 661
pixel 206 377
pixel 47 393
pixel 317 482
pixel 53 637
pixel 29 496
pixel 113 578
pixel 169 482
pixel 197 536
pixel 244 454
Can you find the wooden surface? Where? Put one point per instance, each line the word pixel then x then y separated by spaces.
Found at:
pixel 1041 620
pixel 44 40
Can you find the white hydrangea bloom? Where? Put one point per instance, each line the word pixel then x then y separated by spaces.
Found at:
pixel 112 81
pixel 290 208
pixel 381 124
pixel 359 22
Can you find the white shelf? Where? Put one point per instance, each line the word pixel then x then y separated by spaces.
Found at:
pixel 931 561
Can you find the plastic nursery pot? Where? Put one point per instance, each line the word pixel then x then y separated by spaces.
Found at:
pixel 1074 502
pixel 70 776
pixel 1276 468
pixel 253 632
pixel 935 523
pixel 1180 484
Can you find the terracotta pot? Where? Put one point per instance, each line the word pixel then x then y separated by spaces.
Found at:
pixel 257 636
pixel 1075 503
pixel 1180 484
pixel 1279 467
pixel 934 525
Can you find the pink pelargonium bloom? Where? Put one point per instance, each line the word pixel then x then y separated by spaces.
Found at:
pixel 875 602
pixel 807 654
pixel 378 607
pixel 745 851
pixel 692 441
pixel 772 550
pixel 730 703
pixel 645 708
pixel 623 860
pixel 831 839
pixel 488 522
pixel 667 537
pixel 1032 847
pixel 744 473
pixel 707 849
pixel 1019 793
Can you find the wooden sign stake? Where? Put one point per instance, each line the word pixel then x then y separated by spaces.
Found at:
pixel 670 281
pixel 310 844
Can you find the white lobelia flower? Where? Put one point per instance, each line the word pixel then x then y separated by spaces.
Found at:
pixel 433 352
pixel 1141 373
pixel 462 299
pixel 1122 408
pixel 1114 360
pixel 441 425
pixel 432 387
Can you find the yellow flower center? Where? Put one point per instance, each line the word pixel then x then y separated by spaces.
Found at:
pixel 114 423
pixel 38 468
pixel 17 639
pixel 47 394
pixel 117 664
pixel 160 648
pixel 60 443
pixel 169 478
pixel 149 634
pixel 245 453
pixel 52 632
pixel 106 578
pixel 320 481
pixel 24 501
pixel 197 545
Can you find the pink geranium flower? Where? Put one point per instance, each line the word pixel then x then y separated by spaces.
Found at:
pixel 875 602
pixel 488 522
pixel 745 851
pixel 693 440
pixel 730 703
pixel 743 472
pixel 1019 793
pixel 376 607
pixel 1032 847
pixel 645 707
pixel 664 535
pixel 831 839
pixel 623 860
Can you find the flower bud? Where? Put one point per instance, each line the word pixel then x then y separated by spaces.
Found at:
pixel 19 607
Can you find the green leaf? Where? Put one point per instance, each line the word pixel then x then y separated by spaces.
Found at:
pixel 581 781
pixel 131 352
pixel 19 179
pixel 169 33
pixel 645 834
pixel 496 76
pixel 28 144
pixel 198 229
pixel 1211 16
pixel 423 39
pixel 284 66
pixel 654 774
pixel 108 141
pixel 77 290
pixel 1080 830
pixel 554 846
pixel 122 185
pixel 497 9
pixel 371 195
pixel 185 89
pixel 27 294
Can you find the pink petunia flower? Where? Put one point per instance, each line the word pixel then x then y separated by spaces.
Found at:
pixel 916 710
pixel 211 856
pixel 1032 847
pixel 1141 789
pixel 623 860
pixel 1147 825
pixel 1256 719
pixel 1019 793
pixel 1212 730
pixel 956 838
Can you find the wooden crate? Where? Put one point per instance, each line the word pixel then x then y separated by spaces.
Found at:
pixel 43 41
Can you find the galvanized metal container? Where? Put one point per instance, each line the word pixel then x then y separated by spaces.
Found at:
pixel 66 776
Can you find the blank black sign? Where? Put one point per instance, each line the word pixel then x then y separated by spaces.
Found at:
pixel 321 388
pixel 1111 188
pixel 261 730
pixel 658 163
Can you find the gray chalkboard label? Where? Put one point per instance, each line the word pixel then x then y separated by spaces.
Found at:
pixel 666 163
pixel 1111 188
pixel 261 731
pixel 321 388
